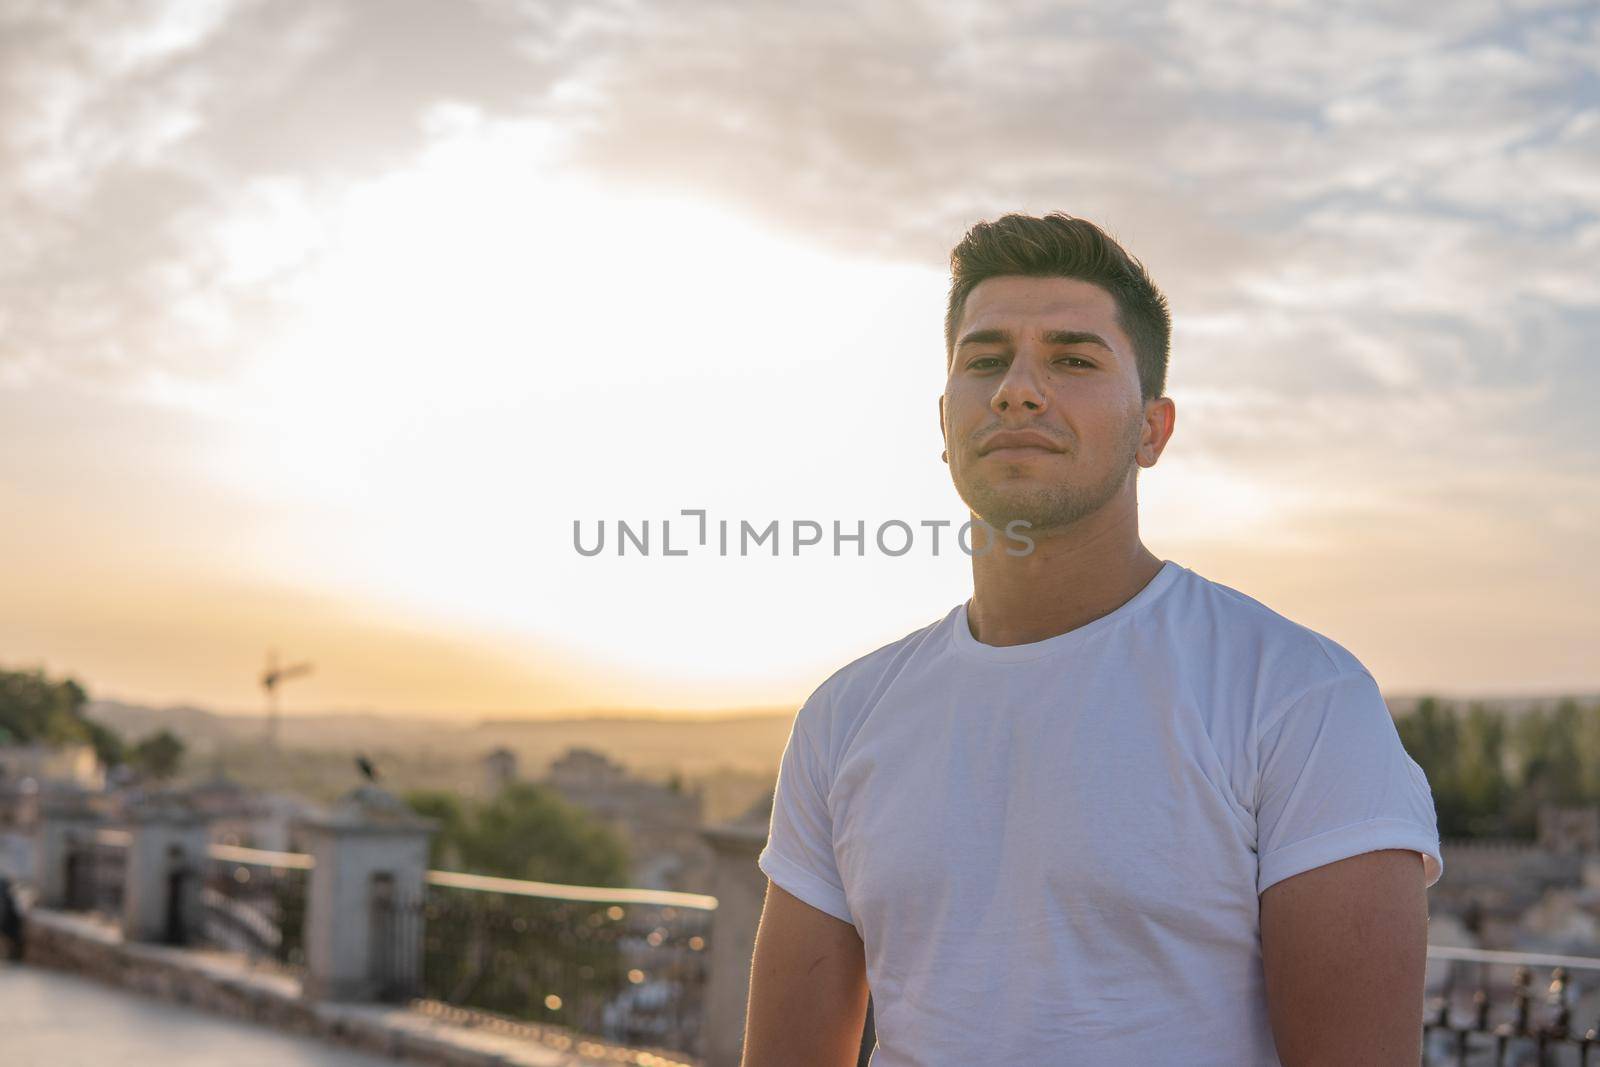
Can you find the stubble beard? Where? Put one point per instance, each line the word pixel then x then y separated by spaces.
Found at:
pixel 1049 507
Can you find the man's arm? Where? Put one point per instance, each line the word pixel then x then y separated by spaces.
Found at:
pixel 1344 947
pixel 808 988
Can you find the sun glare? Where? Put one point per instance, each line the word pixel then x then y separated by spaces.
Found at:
pixel 482 348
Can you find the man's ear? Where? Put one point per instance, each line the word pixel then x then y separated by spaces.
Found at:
pixel 945 455
pixel 1160 418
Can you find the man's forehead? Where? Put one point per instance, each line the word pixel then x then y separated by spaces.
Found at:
pixel 1038 304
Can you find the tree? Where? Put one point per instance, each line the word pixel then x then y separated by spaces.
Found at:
pixel 1491 772
pixel 1482 785
pixel 524 831
pixel 108 744
pixel 1548 754
pixel 1587 744
pixel 35 708
pixel 1431 736
pixel 527 828
pixel 444 851
pixel 159 755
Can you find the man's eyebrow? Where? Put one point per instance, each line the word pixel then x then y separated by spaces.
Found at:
pixel 1075 337
pixel 1051 337
pixel 985 337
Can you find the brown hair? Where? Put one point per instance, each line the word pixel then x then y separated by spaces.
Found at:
pixel 1061 246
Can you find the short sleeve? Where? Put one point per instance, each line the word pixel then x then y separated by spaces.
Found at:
pixel 798 856
pixel 1335 781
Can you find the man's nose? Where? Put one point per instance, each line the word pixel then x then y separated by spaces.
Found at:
pixel 1018 389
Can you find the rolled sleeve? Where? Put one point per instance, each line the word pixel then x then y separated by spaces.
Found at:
pixel 798 856
pixel 1335 781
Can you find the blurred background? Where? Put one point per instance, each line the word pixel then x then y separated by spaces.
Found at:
pixel 323 326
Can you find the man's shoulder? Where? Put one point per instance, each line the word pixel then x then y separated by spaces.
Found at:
pixel 1241 626
pixel 852 685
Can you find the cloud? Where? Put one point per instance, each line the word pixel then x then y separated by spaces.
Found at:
pixel 134 134
pixel 1342 154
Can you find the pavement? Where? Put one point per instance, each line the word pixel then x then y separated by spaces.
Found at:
pixel 52 1019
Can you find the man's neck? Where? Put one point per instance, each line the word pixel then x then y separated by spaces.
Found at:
pixel 1070 578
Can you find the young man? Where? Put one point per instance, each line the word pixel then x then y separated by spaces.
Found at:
pixel 1107 811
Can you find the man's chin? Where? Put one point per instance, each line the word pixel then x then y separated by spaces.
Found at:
pixel 1030 516
pixel 1043 506
pixel 1025 522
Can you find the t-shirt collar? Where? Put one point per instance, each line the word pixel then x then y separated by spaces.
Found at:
pixel 963 641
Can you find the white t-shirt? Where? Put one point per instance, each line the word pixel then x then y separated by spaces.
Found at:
pixel 1053 851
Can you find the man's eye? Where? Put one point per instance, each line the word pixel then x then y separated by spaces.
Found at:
pixel 981 360
pixel 1074 359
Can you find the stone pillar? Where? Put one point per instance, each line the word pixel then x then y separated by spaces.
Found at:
pixel 167 856
pixel 65 820
pixel 363 933
pixel 740 888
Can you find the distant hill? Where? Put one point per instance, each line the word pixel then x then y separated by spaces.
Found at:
pixel 133 721
pixel 731 756
pixel 652 743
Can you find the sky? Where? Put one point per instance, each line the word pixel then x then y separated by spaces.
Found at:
pixel 322 325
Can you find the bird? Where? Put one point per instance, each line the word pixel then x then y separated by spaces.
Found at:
pixel 368 771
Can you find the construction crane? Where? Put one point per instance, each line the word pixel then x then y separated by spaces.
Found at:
pixel 270 679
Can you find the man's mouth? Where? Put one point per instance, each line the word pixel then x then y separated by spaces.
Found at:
pixel 1017 443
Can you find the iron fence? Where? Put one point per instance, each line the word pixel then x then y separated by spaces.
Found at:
pixel 1512 1009
pixel 626 966
pixel 397 935
pixel 96 871
pixel 254 902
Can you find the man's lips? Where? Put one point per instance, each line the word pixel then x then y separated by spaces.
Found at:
pixel 1018 443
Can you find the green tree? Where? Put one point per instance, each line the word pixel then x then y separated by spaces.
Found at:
pixel 159 755
pixel 1483 789
pixel 1429 735
pixel 1490 772
pixel 444 851
pixel 1588 745
pixel 1547 753
pixel 524 831
pixel 37 708
pixel 1432 736
pixel 108 744
pixel 1548 768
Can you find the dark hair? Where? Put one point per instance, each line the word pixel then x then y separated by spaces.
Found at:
pixel 1060 246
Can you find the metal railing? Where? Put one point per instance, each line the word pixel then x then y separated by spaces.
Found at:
pixel 1492 1011
pixel 255 902
pixel 628 966
pixel 621 965
pixel 96 871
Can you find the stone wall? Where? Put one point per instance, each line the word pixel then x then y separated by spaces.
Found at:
pixel 1512 865
pixel 1491 886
